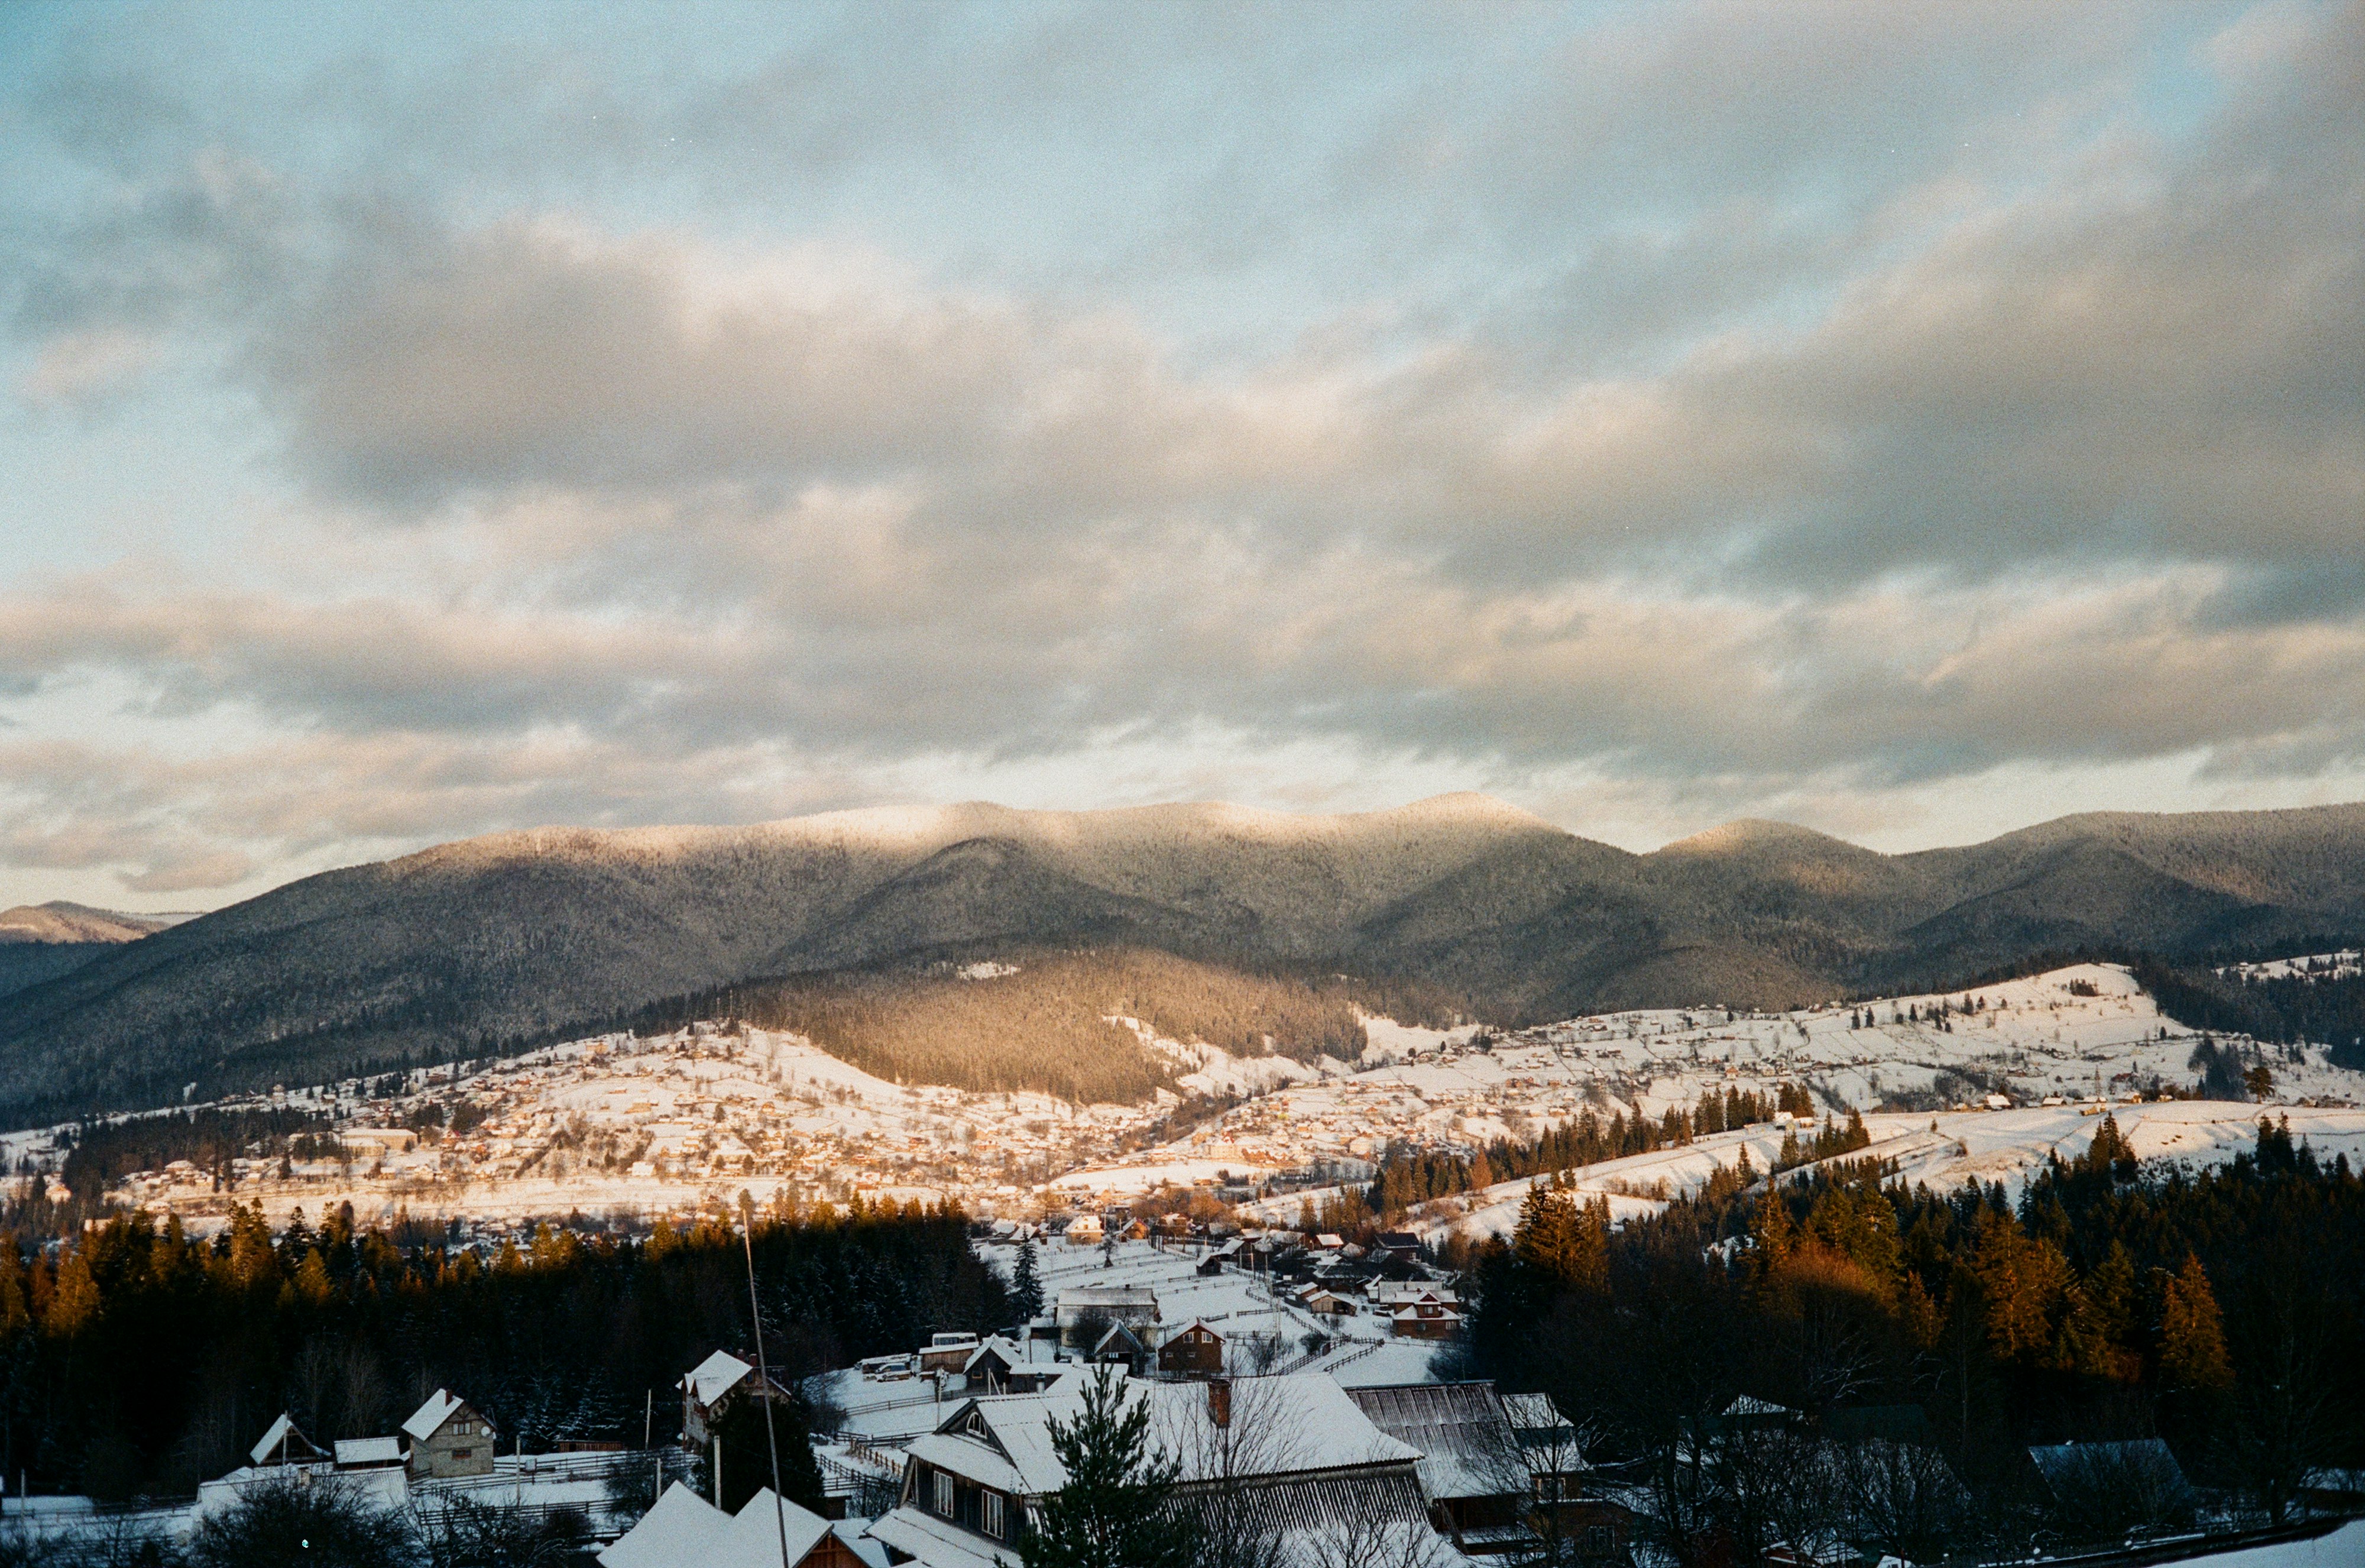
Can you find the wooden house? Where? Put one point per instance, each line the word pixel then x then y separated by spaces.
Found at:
pixel 1194 1351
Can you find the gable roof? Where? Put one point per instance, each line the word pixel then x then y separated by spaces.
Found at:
pixel 429 1418
pixel 1308 1422
pixel 684 1527
pixel 282 1431
pixel 715 1376
pixel 1468 1448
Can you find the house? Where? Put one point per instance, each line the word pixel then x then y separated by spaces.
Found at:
pixel 1120 1346
pixel 1399 1244
pixel 1324 1301
pixel 1192 1351
pixel 1317 1464
pixel 283 1444
pixel 1386 1296
pixel 1549 1445
pixel 1093 1308
pixel 450 1437
pixel 1471 1465
pixel 988 1367
pixel 1427 1318
pixel 712 1388
pixel 2110 1488
pixel 683 1529
pixel 1220 1257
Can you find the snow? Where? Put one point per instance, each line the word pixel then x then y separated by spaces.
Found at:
pixel 430 1417
pixel 2343 1548
pixel 715 1376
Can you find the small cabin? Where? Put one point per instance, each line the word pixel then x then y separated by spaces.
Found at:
pixel 450 1437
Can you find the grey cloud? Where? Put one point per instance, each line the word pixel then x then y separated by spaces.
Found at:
pixel 1764 495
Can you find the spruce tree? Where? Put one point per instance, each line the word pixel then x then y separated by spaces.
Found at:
pixel 2191 1335
pixel 1115 1510
pixel 1026 1285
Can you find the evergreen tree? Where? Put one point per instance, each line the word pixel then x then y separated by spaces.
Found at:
pixel 2191 1335
pixel 1026 1284
pixel 1115 1510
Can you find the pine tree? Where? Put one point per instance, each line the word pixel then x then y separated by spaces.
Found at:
pixel 1026 1284
pixel 1115 1510
pixel 2191 1334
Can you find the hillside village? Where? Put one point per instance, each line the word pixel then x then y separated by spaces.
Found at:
pixel 620 1126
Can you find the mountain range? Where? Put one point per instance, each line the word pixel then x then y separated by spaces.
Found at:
pixel 497 943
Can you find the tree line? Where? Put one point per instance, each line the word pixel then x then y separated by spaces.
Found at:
pixel 1408 1176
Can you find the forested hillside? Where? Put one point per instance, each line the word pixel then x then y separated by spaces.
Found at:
pixel 2222 1311
pixel 845 924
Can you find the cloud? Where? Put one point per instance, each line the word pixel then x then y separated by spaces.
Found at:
pixel 1820 411
pixel 85 367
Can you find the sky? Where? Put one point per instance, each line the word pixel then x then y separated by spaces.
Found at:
pixel 1915 423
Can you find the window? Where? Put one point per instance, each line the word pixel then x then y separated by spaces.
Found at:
pixel 1596 1539
pixel 464 1453
pixel 991 1515
pixel 945 1494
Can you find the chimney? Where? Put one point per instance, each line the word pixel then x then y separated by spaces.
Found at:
pixel 1219 1402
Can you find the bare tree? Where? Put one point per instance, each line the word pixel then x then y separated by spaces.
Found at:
pixel 1903 1498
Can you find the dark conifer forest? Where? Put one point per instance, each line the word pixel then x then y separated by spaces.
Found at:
pixel 140 1362
pixel 2222 1311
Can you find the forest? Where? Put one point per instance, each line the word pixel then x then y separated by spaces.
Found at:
pixel 1906 1349
pixel 138 1361
pixel 1046 1027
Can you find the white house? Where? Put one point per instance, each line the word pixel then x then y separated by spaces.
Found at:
pixel 1293 1453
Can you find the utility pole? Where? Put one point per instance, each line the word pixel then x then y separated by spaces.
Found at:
pixel 764 1375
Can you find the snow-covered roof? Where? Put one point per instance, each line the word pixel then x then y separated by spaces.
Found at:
pixel 1468 1448
pixel 353 1452
pixel 1304 1422
pixel 429 1418
pixel 924 1538
pixel 1534 1412
pixel 282 1431
pixel 1081 1296
pixel 997 1346
pixel 715 1376
pixel 685 1529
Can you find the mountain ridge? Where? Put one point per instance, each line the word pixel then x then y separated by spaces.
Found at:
pixel 493 943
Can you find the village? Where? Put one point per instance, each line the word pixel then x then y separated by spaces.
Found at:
pixel 1323 1368
pixel 621 1129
